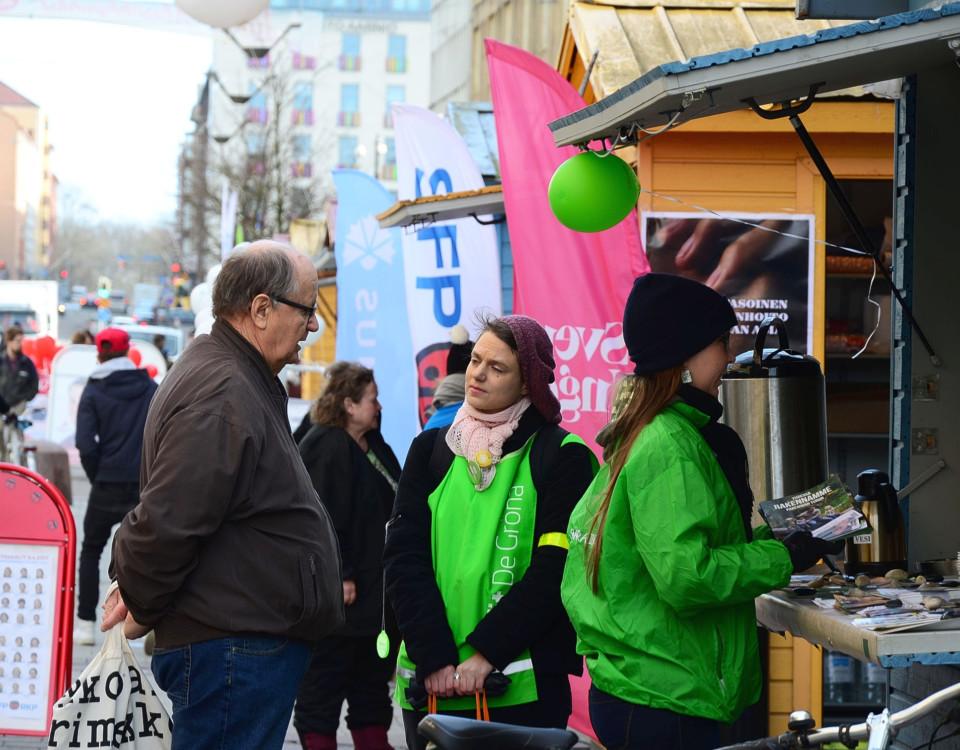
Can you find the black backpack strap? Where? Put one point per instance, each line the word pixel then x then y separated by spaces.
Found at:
pixel 545 452
pixel 441 457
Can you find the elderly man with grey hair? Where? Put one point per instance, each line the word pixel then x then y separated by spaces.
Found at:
pixel 230 557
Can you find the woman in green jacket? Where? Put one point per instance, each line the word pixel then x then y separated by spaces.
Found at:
pixel 663 566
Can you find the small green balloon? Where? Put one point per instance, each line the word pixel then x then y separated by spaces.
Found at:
pixel 591 193
pixel 383 645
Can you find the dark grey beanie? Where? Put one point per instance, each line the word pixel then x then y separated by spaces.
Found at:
pixel 668 319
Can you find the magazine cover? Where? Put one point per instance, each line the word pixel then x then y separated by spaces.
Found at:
pixel 827 511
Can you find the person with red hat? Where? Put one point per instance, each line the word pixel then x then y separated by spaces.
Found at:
pixel 110 420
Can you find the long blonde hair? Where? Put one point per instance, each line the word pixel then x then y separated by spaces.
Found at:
pixel 651 393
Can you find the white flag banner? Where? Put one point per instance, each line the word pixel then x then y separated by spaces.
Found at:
pixel 228 218
pixel 452 268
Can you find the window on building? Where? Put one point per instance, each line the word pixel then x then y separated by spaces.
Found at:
pixel 388 168
pixel 302 154
pixel 350 52
pixel 257 106
pixel 304 62
pixel 347 158
pixel 349 105
pixel 396 53
pixel 302 113
pixel 302 147
pixel 254 143
pixel 395 95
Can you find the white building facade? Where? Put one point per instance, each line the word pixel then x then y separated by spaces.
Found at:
pixel 342 67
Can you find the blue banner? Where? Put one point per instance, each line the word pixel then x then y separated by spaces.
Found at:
pixel 372 324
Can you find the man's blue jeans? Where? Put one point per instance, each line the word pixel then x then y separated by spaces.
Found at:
pixel 231 693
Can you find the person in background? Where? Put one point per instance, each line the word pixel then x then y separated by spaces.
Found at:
pixel 110 418
pixel 476 546
pixel 160 342
pixel 355 473
pixel 82 336
pixel 230 556
pixel 663 565
pixel 18 376
pixel 448 397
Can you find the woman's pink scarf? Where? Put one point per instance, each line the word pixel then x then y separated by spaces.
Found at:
pixel 473 431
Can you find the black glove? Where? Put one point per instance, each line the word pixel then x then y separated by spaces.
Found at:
pixel 805 549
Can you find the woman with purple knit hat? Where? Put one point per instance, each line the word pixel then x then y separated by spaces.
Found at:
pixel 477 544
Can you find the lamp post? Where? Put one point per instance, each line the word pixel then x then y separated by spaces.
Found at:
pixel 257 53
pixel 198 177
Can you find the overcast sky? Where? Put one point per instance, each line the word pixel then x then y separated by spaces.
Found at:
pixel 118 100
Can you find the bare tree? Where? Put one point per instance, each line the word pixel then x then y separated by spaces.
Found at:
pixel 89 248
pixel 276 178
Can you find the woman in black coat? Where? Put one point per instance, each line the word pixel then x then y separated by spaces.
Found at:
pixel 355 473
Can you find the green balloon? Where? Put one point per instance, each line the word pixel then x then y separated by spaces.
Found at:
pixel 591 193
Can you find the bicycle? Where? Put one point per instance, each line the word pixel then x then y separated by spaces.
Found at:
pixel 879 729
pixel 457 733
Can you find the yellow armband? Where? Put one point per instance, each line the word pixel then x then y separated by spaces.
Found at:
pixel 554 539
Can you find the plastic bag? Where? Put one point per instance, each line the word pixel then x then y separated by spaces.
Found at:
pixel 114 703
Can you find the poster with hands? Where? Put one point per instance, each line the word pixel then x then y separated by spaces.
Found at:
pixel 762 263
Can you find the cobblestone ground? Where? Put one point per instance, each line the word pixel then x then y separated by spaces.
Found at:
pixel 83 654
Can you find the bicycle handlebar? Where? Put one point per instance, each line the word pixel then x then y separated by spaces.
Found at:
pixel 860 731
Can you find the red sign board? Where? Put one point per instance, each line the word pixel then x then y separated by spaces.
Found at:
pixel 37 557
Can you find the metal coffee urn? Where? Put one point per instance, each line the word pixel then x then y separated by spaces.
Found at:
pixel 776 401
pixel 883 547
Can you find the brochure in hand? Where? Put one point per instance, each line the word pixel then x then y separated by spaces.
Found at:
pixel 827 511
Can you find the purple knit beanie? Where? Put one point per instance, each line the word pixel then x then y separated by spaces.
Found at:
pixel 535 355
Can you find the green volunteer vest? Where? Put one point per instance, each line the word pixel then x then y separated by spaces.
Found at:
pixel 482 543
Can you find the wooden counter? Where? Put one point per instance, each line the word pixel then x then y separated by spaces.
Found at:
pixel 832 629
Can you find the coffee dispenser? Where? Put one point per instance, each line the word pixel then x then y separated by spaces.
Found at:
pixel 883 547
pixel 775 399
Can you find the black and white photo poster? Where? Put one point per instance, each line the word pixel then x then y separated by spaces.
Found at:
pixel 762 263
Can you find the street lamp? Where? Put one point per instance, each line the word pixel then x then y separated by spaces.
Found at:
pixel 257 53
pixel 238 98
pixel 221 139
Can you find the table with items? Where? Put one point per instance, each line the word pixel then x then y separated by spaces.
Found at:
pixel 892 621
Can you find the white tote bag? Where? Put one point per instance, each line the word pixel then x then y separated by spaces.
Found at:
pixel 113 704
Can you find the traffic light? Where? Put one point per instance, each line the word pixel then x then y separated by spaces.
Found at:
pixel 174 267
pixel 64 273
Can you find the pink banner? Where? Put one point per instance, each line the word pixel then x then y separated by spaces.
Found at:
pixel 575 284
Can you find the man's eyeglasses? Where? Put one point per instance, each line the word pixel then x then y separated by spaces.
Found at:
pixel 310 311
